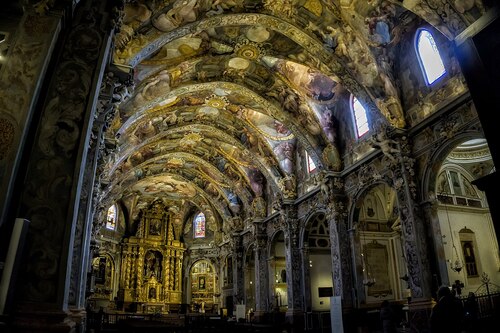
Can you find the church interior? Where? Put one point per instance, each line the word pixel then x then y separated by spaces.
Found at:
pixel 288 163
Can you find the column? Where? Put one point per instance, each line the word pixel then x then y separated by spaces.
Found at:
pixel 306 277
pixel 434 233
pixel 54 179
pixel 358 295
pixel 178 277
pixel 238 273
pixel 166 272
pixel 261 271
pixel 415 242
pixel 340 249
pixel 293 261
pixel 85 229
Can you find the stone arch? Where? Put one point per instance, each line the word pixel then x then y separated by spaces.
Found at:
pixel 308 220
pixel 379 236
pixel 431 170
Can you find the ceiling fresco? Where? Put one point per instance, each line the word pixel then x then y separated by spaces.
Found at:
pixel 225 92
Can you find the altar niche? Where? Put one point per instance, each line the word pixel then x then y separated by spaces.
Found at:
pixel 204 286
pixel 103 271
pixel 151 270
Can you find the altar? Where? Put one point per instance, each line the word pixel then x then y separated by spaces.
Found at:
pixel 154 308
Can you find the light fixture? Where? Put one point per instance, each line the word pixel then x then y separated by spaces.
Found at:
pixel 368 279
pixel 456 264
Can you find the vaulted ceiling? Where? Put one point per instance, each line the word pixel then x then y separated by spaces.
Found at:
pixel 225 91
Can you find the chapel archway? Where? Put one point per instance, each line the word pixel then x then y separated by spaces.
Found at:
pixel 277 273
pixel 103 282
pixel 379 259
pixel 318 263
pixel 469 243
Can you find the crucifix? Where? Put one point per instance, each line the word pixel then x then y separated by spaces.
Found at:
pixel 458 285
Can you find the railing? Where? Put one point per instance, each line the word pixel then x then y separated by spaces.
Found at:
pixel 100 321
pixel 317 321
pixel 174 323
pixel 488 305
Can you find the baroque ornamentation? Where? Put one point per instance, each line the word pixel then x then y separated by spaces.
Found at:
pixel 7 131
pixel 55 157
pixel 448 128
pixel 288 186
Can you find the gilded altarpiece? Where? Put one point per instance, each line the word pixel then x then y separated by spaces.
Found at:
pixel 151 273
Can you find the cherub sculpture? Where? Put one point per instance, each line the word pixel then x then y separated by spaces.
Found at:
pixel 388 146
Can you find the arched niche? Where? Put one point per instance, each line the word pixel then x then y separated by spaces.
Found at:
pixel 469 242
pixel 103 271
pixel 318 263
pixel 204 286
pixel 380 265
pixel 277 273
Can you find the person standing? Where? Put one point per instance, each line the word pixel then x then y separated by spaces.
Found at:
pixel 448 313
pixel 471 309
pixel 387 317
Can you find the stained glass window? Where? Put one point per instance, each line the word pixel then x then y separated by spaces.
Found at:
pixel 199 225
pixel 111 218
pixel 429 57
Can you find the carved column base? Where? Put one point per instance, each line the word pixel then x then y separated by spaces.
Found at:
pixel 40 319
pixel 418 315
pixel 295 320
pixel 79 316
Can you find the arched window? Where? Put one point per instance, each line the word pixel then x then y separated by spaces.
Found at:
pixel 360 119
pixel 468 242
pixel 311 166
pixel 428 56
pixel 199 225
pixel 111 218
pixel 455 189
pixel 318 234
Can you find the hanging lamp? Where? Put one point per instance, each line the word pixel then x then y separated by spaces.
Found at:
pixel 455 264
pixel 368 280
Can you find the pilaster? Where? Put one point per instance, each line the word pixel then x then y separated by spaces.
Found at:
pixel 434 234
pixel 340 249
pixel 293 260
pixel 238 272
pixel 54 263
pixel 306 276
pixel 261 271
pixel 416 243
